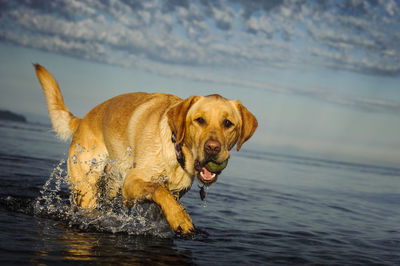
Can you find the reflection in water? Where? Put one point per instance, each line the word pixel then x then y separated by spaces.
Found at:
pixel 78 245
pixel 59 242
pixel 121 248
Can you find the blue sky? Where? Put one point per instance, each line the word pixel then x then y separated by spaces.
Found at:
pixel 321 76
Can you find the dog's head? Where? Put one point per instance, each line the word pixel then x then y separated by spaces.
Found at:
pixel 207 128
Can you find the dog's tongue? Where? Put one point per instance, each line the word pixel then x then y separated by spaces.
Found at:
pixel 207 175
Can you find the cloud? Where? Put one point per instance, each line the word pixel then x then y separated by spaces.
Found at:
pixel 170 36
pixel 259 24
pixel 186 32
pixel 391 7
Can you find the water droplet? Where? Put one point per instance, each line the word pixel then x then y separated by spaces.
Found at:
pixel 205 198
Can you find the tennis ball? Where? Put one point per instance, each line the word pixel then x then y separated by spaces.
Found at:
pixel 215 167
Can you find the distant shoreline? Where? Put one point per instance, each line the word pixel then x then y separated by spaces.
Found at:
pixel 8 115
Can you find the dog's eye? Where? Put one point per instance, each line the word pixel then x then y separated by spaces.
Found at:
pixel 227 123
pixel 200 120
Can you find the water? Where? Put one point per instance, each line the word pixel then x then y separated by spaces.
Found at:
pixel 266 208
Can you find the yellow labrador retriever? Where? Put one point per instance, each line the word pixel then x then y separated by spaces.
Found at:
pixel 149 146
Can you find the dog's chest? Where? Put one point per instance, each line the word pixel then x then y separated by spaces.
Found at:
pixel 178 182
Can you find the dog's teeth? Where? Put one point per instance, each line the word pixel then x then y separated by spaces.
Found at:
pixel 213 175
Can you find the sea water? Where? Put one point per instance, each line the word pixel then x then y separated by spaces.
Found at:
pixel 266 208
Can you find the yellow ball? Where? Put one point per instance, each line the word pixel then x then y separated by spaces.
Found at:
pixel 215 167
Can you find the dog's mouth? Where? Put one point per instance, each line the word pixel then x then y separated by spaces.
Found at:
pixel 207 172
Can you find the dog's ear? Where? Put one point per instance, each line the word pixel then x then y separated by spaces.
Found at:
pixel 177 117
pixel 249 124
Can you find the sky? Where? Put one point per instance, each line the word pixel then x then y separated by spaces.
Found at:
pixel 322 77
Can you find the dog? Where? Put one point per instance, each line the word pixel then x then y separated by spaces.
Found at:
pixel 148 146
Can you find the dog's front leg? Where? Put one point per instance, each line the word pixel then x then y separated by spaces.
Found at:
pixel 136 189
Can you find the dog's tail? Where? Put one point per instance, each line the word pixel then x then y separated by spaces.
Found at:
pixel 64 123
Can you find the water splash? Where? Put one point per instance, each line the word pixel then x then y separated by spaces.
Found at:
pixel 51 203
pixel 55 202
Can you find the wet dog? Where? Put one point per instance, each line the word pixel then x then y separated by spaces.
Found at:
pixel 151 146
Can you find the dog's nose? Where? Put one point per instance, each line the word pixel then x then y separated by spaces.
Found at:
pixel 212 147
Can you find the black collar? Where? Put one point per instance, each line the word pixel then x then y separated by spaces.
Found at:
pixel 180 157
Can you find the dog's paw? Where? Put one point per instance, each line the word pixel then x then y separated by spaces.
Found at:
pixel 181 222
pixel 175 214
